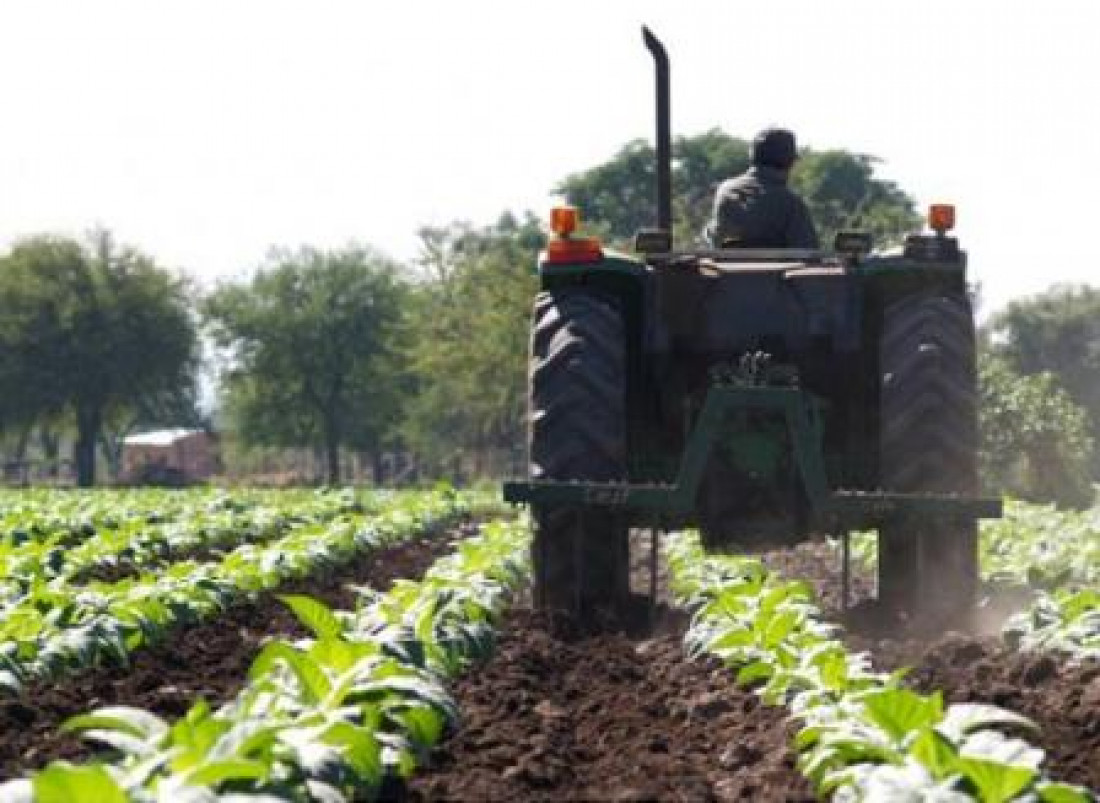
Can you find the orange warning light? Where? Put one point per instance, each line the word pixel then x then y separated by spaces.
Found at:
pixel 941 217
pixel 563 220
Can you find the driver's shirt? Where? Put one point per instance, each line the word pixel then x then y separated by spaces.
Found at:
pixel 758 210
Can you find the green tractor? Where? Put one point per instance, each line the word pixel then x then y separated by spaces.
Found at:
pixel 762 396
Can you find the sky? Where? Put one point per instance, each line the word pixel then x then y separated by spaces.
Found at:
pixel 206 132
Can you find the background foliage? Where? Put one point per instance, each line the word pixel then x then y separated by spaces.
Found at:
pixel 310 345
pixel 347 350
pixel 1036 442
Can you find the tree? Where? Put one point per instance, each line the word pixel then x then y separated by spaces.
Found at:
pixel 1035 439
pixel 468 335
pixel 1058 332
pixel 843 193
pixel 618 196
pixel 310 341
pixel 91 328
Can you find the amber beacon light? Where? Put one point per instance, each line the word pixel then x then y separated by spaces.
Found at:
pixel 563 220
pixel 563 247
pixel 941 218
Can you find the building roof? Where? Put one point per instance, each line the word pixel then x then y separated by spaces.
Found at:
pixel 159 437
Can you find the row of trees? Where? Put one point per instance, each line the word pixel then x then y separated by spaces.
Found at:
pixel 349 349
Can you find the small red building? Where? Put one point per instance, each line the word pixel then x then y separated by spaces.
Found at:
pixel 169 455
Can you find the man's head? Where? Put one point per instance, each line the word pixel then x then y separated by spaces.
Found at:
pixel 774 147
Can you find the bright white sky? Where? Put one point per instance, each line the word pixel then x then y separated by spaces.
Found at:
pixel 206 131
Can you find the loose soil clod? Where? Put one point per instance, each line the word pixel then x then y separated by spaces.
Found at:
pixel 560 715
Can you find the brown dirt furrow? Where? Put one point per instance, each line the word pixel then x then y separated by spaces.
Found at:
pixel 818 563
pixel 208 660
pixel 556 715
pixel 970 665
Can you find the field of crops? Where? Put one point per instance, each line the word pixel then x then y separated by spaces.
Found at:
pixel 321 645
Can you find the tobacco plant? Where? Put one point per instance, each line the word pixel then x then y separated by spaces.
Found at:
pixel 327 718
pixel 863 736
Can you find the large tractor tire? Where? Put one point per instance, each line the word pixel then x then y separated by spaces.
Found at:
pixel 577 431
pixel 929 444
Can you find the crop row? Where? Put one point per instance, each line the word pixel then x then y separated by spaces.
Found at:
pixel 1042 546
pixel 863 736
pixel 55 630
pixel 63 537
pixel 29 514
pixel 1063 620
pixel 1057 554
pixel 328 718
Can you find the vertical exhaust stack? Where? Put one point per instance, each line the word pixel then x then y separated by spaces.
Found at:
pixel 664 137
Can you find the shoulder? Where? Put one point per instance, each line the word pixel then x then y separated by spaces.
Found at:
pixel 731 185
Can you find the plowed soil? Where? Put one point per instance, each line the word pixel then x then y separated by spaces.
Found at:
pixel 557 715
pixel 208 660
pixel 969 664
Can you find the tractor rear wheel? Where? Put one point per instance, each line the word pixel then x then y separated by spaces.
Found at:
pixel 928 444
pixel 577 431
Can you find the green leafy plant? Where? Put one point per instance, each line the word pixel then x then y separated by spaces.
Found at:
pixel 863 736
pixel 55 627
pixel 324 718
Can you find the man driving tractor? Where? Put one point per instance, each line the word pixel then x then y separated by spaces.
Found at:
pixel 757 209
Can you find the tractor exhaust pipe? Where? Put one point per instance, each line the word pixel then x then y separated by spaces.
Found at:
pixel 664 137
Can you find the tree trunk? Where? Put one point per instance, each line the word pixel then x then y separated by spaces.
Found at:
pixel 20 465
pixel 50 442
pixel 332 448
pixel 112 450
pixel 22 443
pixel 378 467
pixel 88 420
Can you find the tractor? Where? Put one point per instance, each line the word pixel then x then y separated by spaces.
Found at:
pixel 763 396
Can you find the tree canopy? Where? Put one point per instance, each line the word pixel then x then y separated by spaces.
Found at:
pixel 1035 440
pixel 1056 331
pixel 468 351
pixel 90 329
pixel 310 342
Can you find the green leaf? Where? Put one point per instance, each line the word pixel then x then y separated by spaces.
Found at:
pixel 194 735
pixel 245 739
pixel 423 724
pixel 935 752
pixel 215 773
pixel 360 748
pixel 135 721
pixel 961 719
pixel 996 782
pixel 756 671
pixel 901 711
pixel 311 677
pixel 339 655
pixel 315 615
pixel 1063 793
pixel 780 627
pixel 732 638
pixel 62 782
pixel 398 689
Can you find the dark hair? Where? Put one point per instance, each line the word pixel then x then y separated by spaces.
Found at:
pixel 774 147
